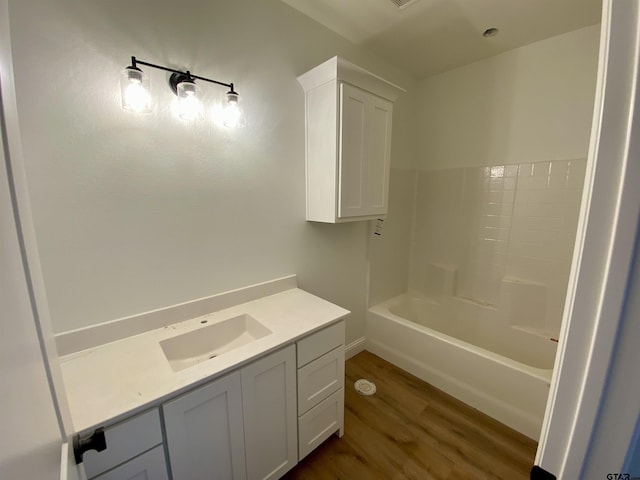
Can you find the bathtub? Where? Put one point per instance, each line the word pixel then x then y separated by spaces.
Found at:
pixel 471 353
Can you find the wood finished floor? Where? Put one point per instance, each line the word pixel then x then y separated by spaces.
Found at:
pixel 411 430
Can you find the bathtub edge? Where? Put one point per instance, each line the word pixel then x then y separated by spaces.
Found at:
pixel 510 416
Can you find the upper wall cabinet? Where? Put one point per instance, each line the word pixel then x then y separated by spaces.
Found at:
pixel 348 141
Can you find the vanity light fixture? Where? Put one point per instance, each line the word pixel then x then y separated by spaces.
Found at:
pixel 136 96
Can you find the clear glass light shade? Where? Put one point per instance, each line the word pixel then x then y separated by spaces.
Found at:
pixel 232 113
pixel 134 89
pixel 189 103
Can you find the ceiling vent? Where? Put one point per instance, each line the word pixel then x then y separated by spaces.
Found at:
pixel 402 3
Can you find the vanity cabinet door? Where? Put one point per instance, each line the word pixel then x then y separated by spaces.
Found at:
pixel 270 414
pixel 204 432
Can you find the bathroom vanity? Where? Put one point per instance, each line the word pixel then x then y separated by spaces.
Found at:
pixel 244 392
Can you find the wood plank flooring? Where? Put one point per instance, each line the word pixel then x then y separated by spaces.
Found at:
pixel 411 430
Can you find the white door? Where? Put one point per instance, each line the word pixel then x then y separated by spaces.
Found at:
pixel 204 432
pixel 31 439
pixel 31 433
pixel 270 414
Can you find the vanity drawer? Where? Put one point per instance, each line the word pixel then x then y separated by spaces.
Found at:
pixel 319 343
pixel 320 378
pixel 320 423
pixel 125 440
pixel 150 465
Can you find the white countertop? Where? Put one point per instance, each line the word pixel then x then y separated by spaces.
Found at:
pixel 113 381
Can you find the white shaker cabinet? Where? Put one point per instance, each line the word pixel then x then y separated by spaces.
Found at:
pixel 204 432
pixel 348 117
pixel 134 449
pixel 149 465
pixel 242 426
pixel 270 414
pixel 364 153
pixel 320 387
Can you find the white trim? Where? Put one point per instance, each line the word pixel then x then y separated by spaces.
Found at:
pixel 354 348
pixel 339 69
pixel 68 468
pixel 604 246
pixel 620 409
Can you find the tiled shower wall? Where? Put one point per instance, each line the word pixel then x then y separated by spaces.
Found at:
pixel 514 223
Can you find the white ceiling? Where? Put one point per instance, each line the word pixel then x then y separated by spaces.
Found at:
pixel 431 36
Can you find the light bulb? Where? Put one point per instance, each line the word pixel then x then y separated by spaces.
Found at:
pixel 189 104
pixel 232 115
pixel 134 89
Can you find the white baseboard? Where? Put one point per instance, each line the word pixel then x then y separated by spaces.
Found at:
pixel 354 348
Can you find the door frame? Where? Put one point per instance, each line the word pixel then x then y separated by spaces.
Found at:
pixel 603 252
pixel 37 360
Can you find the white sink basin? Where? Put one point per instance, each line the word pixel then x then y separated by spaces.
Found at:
pixel 211 341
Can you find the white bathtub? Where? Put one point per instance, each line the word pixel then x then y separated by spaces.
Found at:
pixel 469 353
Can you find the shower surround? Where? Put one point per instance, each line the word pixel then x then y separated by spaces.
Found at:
pixel 491 250
pixel 482 227
pixel 500 236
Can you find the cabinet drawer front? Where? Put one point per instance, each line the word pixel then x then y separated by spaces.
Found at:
pixel 319 343
pixel 125 440
pixel 320 378
pixel 148 466
pixel 320 423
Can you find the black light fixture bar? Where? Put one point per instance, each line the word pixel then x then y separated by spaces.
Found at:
pixel 134 89
pixel 183 75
